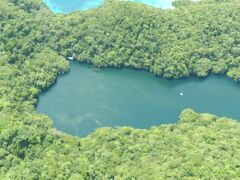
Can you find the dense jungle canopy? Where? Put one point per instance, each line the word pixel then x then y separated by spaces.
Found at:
pixel 194 39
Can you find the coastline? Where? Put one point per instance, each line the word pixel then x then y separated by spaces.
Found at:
pixel 55 8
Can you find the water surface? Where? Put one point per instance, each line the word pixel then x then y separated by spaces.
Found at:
pixel 87 98
pixel 66 6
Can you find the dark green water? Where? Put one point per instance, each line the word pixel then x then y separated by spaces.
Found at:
pixel 87 98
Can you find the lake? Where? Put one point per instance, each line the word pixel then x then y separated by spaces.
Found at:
pixel 88 98
pixel 66 6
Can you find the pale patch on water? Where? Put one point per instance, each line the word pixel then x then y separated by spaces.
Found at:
pixel 98 122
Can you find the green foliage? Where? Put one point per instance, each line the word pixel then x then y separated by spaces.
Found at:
pixel 193 39
pixel 202 67
pixel 234 74
pixel 178 3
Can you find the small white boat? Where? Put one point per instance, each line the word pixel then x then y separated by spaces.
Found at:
pixel 70 58
pixel 181 94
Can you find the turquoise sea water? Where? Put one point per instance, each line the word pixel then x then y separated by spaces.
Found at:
pixel 87 98
pixel 66 6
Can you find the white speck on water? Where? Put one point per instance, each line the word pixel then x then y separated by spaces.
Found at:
pixel 70 58
pixel 181 94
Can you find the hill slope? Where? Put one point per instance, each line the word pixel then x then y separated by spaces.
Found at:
pixel 193 39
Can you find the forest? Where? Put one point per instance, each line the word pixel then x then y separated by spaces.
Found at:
pixel 193 39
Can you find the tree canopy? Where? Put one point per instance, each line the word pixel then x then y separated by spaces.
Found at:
pixel 195 38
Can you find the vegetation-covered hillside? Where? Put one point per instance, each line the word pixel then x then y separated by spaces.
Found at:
pixel 196 38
